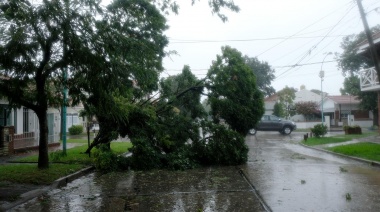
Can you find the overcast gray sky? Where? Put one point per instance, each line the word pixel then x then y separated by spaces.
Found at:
pixel 281 32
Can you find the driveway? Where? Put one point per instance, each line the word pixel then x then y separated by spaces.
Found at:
pixel 291 177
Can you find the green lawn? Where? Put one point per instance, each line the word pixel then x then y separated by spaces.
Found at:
pixel 336 139
pixel 76 154
pixel 370 151
pixel 30 174
pixel 61 166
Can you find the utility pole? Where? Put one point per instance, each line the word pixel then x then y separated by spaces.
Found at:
pixel 64 112
pixel 372 48
pixel 375 56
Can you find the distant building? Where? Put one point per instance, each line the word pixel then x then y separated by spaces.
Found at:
pixel 338 108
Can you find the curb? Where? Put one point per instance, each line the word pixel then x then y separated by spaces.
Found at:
pixel 37 192
pixel 370 162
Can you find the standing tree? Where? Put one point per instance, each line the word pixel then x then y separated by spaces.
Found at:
pixel 264 74
pixel 234 96
pixel 278 109
pixel 286 97
pixel 100 48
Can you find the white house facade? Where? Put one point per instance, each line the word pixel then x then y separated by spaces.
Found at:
pixel 25 125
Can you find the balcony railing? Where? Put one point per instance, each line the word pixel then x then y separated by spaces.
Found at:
pixel 369 80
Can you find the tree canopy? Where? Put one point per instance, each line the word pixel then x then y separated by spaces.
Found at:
pixel 264 74
pixel 113 56
pixel 99 47
pixel 234 96
pixel 286 97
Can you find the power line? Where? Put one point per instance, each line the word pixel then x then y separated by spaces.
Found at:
pixel 205 69
pixel 308 52
pixel 246 40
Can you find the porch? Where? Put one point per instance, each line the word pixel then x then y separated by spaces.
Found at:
pixel 11 143
pixel 369 80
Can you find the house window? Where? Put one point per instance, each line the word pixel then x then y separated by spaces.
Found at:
pixel 26 120
pixel 71 119
pixel 4 115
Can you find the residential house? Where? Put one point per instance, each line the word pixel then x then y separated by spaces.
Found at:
pixel 340 108
pixel 337 108
pixel 369 78
pixel 25 125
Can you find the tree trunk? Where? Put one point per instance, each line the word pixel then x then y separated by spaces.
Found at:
pixel 43 156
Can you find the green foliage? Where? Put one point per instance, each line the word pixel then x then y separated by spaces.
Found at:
pixel 105 159
pixel 183 91
pixel 234 96
pixel 278 109
pixel 181 159
pixel 145 156
pixel 224 147
pixel 319 130
pixel 264 74
pixel 286 97
pixel 76 129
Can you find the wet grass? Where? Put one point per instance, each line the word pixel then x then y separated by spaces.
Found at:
pixel 30 174
pixel 76 154
pixel 367 150
pixel 74 160
pixel 336 139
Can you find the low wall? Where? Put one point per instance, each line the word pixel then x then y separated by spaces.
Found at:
pixel 306 125
pixel 362 123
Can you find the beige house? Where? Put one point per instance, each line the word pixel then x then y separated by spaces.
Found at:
pixel 337 108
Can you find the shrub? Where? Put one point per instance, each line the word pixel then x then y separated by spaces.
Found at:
pixel 319 130
pixel 105 160
pixel 352 129
pixel 76 129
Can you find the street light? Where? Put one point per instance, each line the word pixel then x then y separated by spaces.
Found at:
pixel 322 75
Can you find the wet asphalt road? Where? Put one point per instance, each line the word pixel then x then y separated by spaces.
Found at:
pixel 289 177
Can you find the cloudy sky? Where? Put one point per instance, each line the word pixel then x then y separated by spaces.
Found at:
pixel 293 36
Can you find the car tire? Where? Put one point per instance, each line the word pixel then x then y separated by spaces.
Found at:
pixel 286 130
pixel 252 131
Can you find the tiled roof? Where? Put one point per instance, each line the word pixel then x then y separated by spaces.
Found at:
pixel 346 99
pixel 272 98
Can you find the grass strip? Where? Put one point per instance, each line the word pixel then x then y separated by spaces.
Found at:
pixel 77 155
pixel 366 150
pixel 30 174
pixel 335 139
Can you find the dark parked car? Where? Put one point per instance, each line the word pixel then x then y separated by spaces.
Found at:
pixel 274 123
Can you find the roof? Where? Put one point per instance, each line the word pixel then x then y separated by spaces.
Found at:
pixel 272 98
pixel 345 99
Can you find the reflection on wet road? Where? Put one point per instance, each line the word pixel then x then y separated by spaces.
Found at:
pixel 291 177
